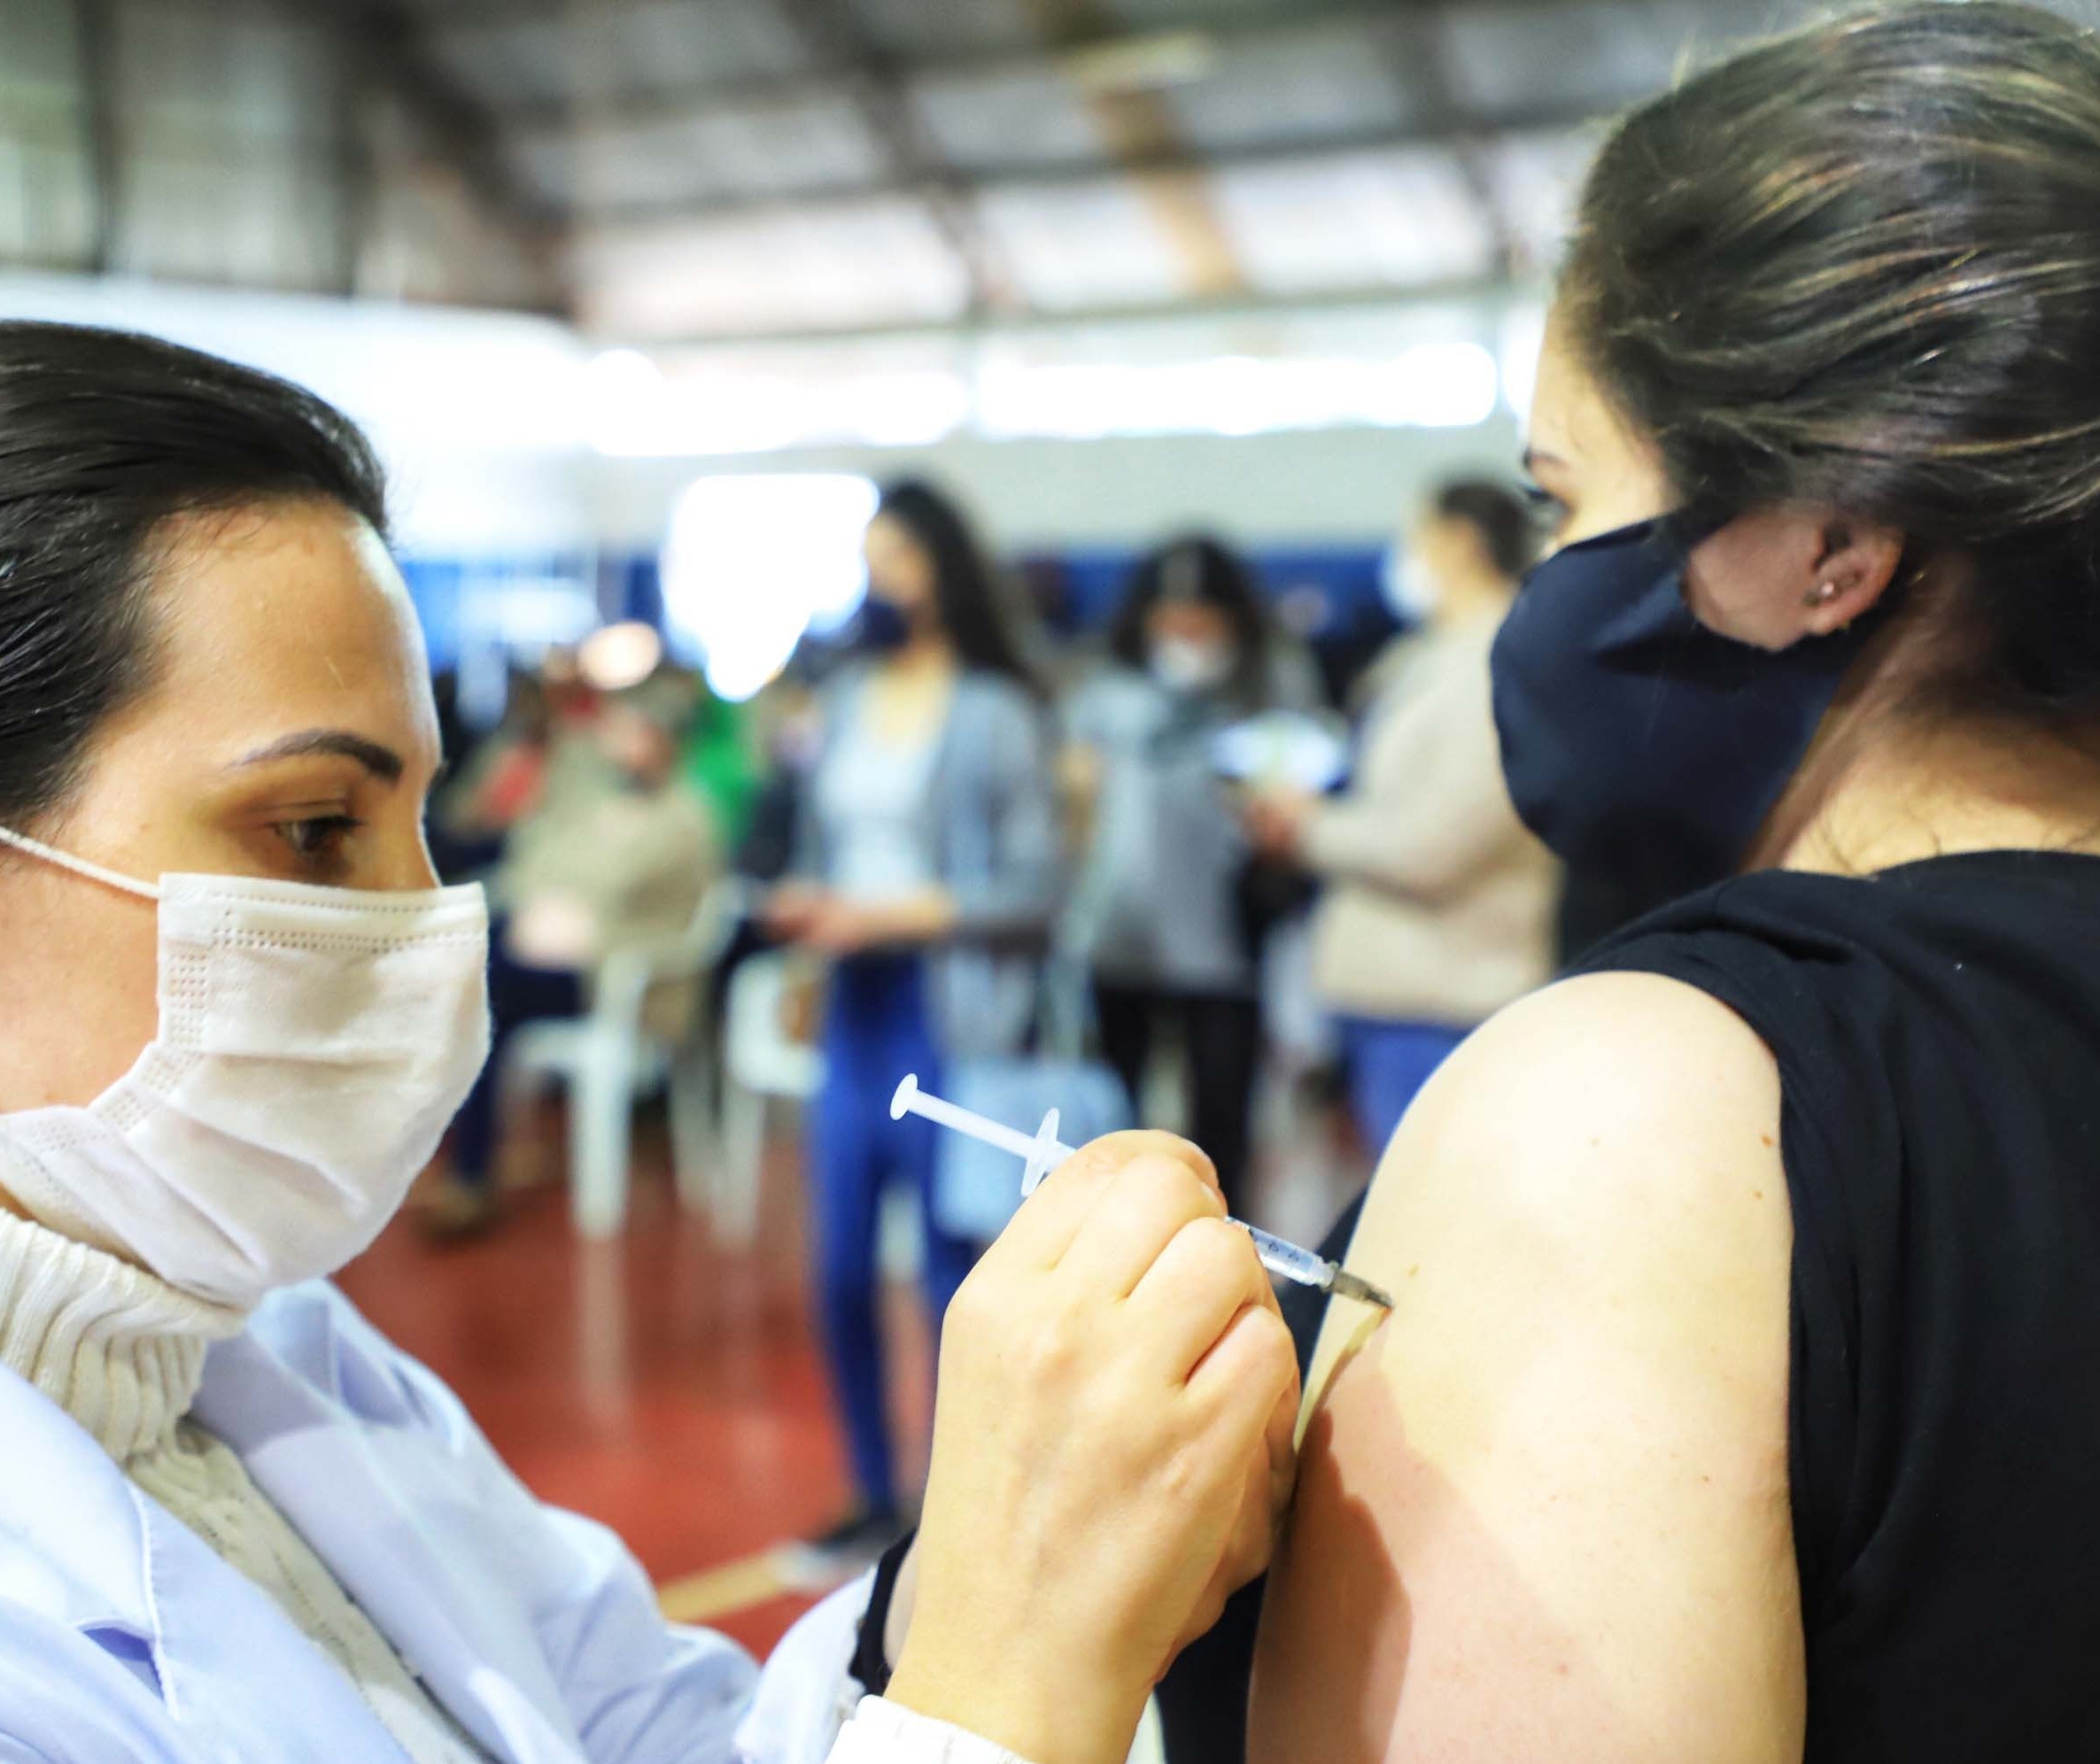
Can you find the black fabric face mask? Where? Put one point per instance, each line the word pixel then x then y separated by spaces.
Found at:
pixel 1640 747
pixel 880 628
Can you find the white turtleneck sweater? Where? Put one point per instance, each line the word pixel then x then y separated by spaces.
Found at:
pixel 123 1353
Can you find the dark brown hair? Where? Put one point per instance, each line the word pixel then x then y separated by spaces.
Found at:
pixel 1860 265
pixel 1498 511
pixel 104 437
pixel 967 595
pixel 1204 568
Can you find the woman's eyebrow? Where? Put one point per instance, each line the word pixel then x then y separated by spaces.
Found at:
pixel 382 762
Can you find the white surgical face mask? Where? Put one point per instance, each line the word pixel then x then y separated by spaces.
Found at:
pixel 1188 665
pixel 314 1043
pixel 1409 589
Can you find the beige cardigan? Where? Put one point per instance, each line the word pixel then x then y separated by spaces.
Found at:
pixel 1440 905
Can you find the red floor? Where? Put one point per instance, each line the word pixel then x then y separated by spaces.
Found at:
pixel 653 1382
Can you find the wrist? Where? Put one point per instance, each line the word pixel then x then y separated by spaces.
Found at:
pixel 934 914
pixel 925 917
pixel 1048 1717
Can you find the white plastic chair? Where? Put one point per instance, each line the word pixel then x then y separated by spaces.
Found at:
pixel 759 1062
pixel 609 1056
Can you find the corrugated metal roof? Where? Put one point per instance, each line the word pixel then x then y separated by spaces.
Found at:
pixel 880 262
pixel 1092 244
pixel 1340 79
pixel 704 168
pixel 1400 219
pixel 1006 118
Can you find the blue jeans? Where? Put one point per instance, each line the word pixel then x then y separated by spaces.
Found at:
pixel 517 995
pixel 875 1029
pixel 1388 1063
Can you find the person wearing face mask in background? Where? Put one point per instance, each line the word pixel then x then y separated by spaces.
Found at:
pixel 235 1522
pixel 1159 910
pixel 1738 1402
pixel 925 875
pixel 1439 906
pixel 621 855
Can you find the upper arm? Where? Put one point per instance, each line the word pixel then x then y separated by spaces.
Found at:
pixel 1542 1508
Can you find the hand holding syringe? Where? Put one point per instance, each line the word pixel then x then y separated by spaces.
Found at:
pixel 1043 1153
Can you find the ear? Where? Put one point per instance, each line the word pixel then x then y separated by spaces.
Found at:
pixel 1857 562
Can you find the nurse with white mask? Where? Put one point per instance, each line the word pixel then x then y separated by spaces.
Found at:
pixel 235 1015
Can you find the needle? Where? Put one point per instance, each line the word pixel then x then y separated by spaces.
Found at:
pixel 1042 1152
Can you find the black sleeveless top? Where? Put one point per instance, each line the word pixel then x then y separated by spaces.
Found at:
pixel 1937 1029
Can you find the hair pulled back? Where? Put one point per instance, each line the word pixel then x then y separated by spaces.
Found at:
pixel 966 594
pixel 104 437
pixel 1201 567
pixel 1507 524
pixel 1859 266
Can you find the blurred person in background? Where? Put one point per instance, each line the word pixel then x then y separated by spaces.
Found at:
pixel 620 855
pixel 927 875
pixel 1161 911
pixel 496 781
pixel 1439 905
pixel 719 757
pixel 235 1521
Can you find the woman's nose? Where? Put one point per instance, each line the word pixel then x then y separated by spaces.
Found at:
pixel 410 868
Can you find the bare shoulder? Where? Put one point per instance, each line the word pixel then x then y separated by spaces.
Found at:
pixel 1600 1114
pixel 1561 1460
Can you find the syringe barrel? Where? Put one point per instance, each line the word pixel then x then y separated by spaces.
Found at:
pixel 1305 1266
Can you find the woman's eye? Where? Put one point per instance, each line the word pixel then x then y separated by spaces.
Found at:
pixel 1548 510
pixel 318 839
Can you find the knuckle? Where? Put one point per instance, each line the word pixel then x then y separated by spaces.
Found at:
pixel 1179 1479
pixel 1269 1338
pixel 1176 1186
pixel 1052 1350
pixel 1271 1347
pixel 1219 1250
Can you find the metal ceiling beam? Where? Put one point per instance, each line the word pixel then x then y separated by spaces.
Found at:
pixel 1236 31
pixel 1420 61
pixel 387 41
pixel 1066 174
pixel 94 56
pixel 1134 121
pixel 877 89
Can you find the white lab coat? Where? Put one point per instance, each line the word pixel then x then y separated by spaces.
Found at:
pixel 123 1636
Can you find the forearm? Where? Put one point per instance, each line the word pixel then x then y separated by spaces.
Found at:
pixel 1018 1707
pixel 1422 850
pixel 1035 1715
pixel 1012 909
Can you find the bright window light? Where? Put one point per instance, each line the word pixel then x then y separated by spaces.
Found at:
pixel 1438 386
pixel 619 656
pixel 1524 335
pixel 752 561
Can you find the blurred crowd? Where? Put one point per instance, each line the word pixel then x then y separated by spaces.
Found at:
pixel 1182 870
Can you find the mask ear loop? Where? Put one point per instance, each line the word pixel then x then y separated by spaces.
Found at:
pixel 79 866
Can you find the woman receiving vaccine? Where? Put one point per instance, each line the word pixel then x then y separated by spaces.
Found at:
pixel 1738 1403
pixel 235 1522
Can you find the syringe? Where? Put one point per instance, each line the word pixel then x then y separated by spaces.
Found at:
pixel 1043 1152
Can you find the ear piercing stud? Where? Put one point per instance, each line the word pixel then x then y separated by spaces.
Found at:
pixel 1824 595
